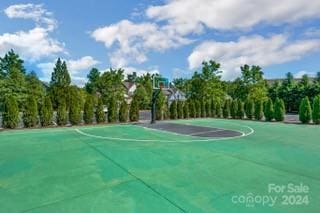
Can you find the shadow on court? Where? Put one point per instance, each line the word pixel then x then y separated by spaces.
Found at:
pixel 193 130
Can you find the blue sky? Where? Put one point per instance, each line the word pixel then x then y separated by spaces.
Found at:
pixel 172 37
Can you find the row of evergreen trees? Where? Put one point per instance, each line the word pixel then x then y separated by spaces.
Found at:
pixel 306 113
pixel 33 115
pixel 234 109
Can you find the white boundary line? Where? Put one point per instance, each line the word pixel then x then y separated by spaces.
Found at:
pixel 167 141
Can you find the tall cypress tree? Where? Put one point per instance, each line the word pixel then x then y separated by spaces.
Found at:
pixel 234 109
pixel 160 103
pixel 197 108
pixel 180 109
pixel 173 110
pixel 316 110
pixel 258 111
pixel 134 109
pixel 240 110
pixel 279 109
pixel 75 106
pixel 30 113
pixel 123 112
pixel 62 116
pixel 269 110
pixel 249 108
pixel 226 109
pixel 112 111
pixel 213 108
pixel 100 115
pixel 305 111
pixel 10 117
pixel 186 110
pixel 192 109
pixel 203 108
pixel 46 112
pixel 208 108
pixel 218 109
pixel 88 111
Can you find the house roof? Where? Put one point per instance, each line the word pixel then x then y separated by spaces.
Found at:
pixel 128 84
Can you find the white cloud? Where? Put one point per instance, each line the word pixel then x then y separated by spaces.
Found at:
pixel 135 40
pixel 251 50
pixel 78 69
pixel 303 72
pixel 35 43
pixel 188 16
pixel 35 12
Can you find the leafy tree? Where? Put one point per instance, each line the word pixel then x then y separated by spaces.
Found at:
pixel 35 87
pixel 30 112
pixel 269 110
pixel 305 111
pixel 123 112
pixel 213 108
pixel 218 109
pixel 110 85
pixel 240 110
pixel 234 109
pixel 258 111
pixel 316 110
pixel 134 109
pixel 100 115
pixel 88 111
pixel 208 108
pixel 93 80
pixel 143 97
pixel 112 111
pixel 249 108
pixel 10 60
pixel 180 109
pixel 186 110
pixel 279 109
pixel 10 116
pixel 46 112
pixel 62 116
pixel 75 107
pixel 166 113
pixel 226 109
pixel 173 110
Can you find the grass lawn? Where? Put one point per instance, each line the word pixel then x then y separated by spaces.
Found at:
pixel 128 168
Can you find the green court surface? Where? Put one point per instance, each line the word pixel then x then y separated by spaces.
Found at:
pixel 128 168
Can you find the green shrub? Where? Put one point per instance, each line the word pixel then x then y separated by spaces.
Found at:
pixel 134 110
pixel 30 112
pixel 88 111
pixel 203 109
pixel 208 108
pixel 180 109
pixel 240 110
pixel 10 117
pixel 62 116
pixel 279 110
pixel 186 110
pixel 213 108
pixel 160 102
pixel 112 111
pixel 166 113
pixel 258 110
pixel 316 110
pixel 269 110
pixel 46 112
pixel 173 110
pixel 218 109
pixel 234 109
pixel 100 115
pixel 305 112
pixel 123 112
pixel 226 109
pixel 249 108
